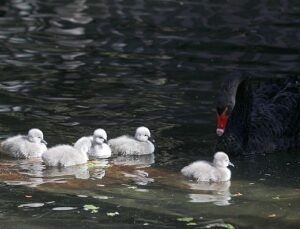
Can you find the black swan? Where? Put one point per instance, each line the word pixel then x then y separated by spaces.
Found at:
pixel 258 117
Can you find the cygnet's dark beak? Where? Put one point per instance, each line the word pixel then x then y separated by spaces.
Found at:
pixel 151 139
pixel 104 140
pixel 231 164
pixel 43 141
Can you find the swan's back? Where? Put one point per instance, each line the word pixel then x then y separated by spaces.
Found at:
pixel 199 170
pixel 264 120
pixel 64 155
pixel 19 147
pixel 14 147
pixel 127 145
pixel 274 120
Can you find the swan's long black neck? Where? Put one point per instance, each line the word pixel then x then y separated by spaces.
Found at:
pixel 236 130
pixel 226 97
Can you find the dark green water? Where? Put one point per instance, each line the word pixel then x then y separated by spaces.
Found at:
pixel 69 67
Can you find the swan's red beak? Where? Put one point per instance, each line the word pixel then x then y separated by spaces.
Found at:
pixel 221 123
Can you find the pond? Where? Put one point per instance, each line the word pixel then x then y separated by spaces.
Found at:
pixel 69 67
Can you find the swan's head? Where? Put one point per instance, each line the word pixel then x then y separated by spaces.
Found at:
pixel 100 136
pixel 142 134
pixel 221 159
pixel 36 136
pixel 226 99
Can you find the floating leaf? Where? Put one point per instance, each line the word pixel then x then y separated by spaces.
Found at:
pixel 112 213
pixel 224 225
pixel 91 164
pixel 191 224
pixel 28 196
pixel 185 219
pixel 276 198
pixel 31 205
pixel 91 207
pixel 272 215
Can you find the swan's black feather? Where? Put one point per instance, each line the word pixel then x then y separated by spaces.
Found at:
pixel 264 120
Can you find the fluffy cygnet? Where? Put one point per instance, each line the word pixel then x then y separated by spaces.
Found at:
pixel 216 171
pixel 140 144
pixel 25 146
pixel 67 155
pixel 99 148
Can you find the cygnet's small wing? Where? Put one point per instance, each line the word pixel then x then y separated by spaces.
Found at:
pixel 84 144
pixel 14 147
pixel 52 156
pixel 127 145
pixel 199 170
pixel 73 156
pixel 63 155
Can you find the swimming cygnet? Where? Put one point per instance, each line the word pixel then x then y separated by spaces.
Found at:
pixel 25 146
pixel 99 148
pixel 67 155
pixel 216 171
pixel 140 144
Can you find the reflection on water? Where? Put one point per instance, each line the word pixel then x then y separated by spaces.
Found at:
pixel 79 172
pixel 155 190
pixel 69 67
pixel 138 175
pixel 142 160
pixel 218 193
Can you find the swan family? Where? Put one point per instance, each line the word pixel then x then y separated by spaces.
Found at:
pixel 97 146
pixel 249 121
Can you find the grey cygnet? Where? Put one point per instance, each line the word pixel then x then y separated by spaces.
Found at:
pixel 216 171
pixel 137 145
pixel 25 146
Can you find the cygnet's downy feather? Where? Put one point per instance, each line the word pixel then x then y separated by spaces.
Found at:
pixel 137 145
pixel 67 155
pixel 209 172
pixel 25 146
pixel 98 147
